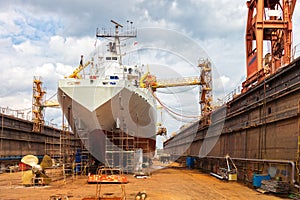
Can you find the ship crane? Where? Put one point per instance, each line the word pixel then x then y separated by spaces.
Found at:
pixel 81 67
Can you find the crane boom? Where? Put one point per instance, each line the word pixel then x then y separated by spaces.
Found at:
pixel 204 81
pixel 178 82
pixel 81 67
pixel 51 103
pixel 149 80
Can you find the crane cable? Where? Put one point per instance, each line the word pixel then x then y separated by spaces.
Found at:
pixel 51 97
pixel 169 110
pixel 180 119
pixel 181 91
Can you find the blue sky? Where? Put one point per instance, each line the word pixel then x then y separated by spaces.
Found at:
pixel 46 38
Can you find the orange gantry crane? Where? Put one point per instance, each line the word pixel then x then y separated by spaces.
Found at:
pixel 38 105
pixel 205 94
pixel 268 21
pixel 204 81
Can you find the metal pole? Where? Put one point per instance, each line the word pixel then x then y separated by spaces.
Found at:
pixel 2 123
pixel 290 162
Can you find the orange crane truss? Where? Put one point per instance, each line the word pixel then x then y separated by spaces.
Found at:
pixel 204 81
pixel 268 20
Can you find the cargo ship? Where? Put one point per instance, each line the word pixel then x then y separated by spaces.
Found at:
pixel 258 126
pixel 114 117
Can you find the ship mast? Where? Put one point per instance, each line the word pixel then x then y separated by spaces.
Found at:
pixel 117 35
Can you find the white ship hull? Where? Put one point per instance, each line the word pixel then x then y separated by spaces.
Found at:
pixel 95 107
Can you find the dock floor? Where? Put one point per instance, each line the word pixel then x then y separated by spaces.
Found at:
pixel 167 183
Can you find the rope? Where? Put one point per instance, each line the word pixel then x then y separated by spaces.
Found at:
pixel 180 91
pixel 169 110
pixel 51 96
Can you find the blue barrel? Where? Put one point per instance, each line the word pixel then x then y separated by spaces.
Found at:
pixel 189 162
pixel 257 178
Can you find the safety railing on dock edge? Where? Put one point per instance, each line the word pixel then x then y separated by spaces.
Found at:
pixel 24 114
pixel 237 91
pixel 21 114
pixel 230 96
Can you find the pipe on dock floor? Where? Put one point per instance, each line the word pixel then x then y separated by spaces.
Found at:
pixel 265 161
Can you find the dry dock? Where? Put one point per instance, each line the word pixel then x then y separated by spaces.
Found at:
pixel 167 183
pixel 258 128
pixel 18 139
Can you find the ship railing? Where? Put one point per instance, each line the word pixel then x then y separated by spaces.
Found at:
pixel 111 32
pixel 21 114
pixel 230 96
pixel 24 114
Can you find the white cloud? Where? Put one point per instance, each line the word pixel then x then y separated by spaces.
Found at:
pixel 63 70
pixel 7 20
pixel 45 70
pixel 220 82
pixel 68 50
pixel 27 48
pixel 47 38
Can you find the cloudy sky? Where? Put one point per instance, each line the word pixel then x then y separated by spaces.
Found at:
pixel 46 38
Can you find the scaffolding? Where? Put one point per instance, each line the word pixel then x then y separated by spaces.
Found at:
pixel 52 147
pixel 67 156
pixel 83 156
pixel 37 105
pixel 70 155
pixel 119 151
pixel 129 153
pixel 60 149
pixel 142 157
